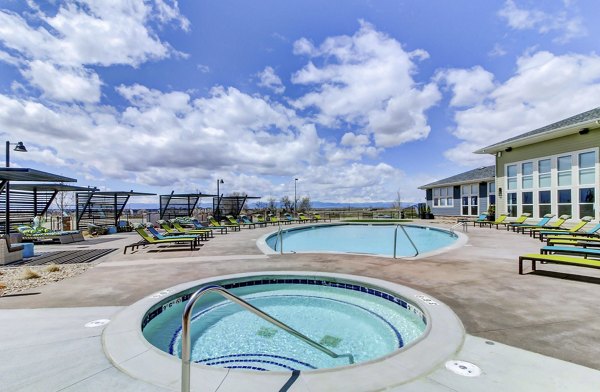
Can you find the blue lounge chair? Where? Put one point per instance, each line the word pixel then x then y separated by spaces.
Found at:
pixel 519 226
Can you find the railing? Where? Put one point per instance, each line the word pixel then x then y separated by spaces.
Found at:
pixel 464 225
pixel 185 332
pixel 407 236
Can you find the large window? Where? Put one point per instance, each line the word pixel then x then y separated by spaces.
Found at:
pixel 564 170
pixel 564 202
pixel 587 168
pixel 544 203
pixel 527 175
pixel 511 174
pixel 527 202
pixel 443 197
pixel 511 204
pixel 544 173
pixel 586 202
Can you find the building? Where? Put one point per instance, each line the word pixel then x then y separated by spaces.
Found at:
pixel 553 169
pixel 466 194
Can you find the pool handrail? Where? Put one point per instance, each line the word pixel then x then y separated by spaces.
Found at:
pixel 409 239
pixel 185 330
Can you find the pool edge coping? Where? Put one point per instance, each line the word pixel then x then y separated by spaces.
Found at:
pixel 129 351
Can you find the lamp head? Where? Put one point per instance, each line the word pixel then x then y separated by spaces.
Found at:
pixel 221 181
pixel 20 147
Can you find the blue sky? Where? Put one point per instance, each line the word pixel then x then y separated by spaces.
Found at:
pixel 358 99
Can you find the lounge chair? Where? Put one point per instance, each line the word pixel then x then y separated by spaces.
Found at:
pixel 203 232
pixel 481 218
pixel 200 226
pixel 582 241
pixel 542 222
pixel 497 222
pixel 557 259
pixel 147 239
pixel 290 218
pixel 214 223
pixel 160 236
pixel 233 221
pixel 261 219
pixel 318 218
pixel 276 221
pixel 247 220
pixel 541 233
pixel 304 218
pixel 592 233
pixel 169 231
pixel 520 220
pixel 556 225
pixel 41 235
pixel 571 250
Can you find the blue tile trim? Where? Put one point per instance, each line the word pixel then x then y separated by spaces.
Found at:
pixel 246 367
pixel 308 365
pixel 252 360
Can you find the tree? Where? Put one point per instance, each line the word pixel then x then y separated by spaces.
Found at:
pixel 63 201
pixel 272 204
pixel 286 203
pixel 304 205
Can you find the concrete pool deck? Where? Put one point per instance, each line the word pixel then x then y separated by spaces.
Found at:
pixel 510 319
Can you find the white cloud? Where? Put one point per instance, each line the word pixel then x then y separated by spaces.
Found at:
pixel 203 68
pixel 366 80
pixel 352 139
pixel 545 88
pixel 64 83
pixel 469 86
pixel 567 26
pixel 269 79
pixel 497 51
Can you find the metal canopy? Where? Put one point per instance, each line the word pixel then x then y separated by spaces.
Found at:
pixel 177 205
pixel 49 187
pixel 26 204
pixel 102 208
pixel 26 174
pixel 230 205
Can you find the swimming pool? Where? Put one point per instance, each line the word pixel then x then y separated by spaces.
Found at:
pixel 127 348
pixel 409 240
pixel 345 317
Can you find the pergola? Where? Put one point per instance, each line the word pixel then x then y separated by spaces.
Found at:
pixel 230 205
pixel 26 203
pixel 177 205
pixel 102 208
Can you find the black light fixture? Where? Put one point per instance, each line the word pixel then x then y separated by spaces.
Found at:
pixel 584 131
pixel 500 193
pixel 20 147
pixel 508 149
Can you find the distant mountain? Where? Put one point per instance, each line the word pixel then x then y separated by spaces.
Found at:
pixel 314 204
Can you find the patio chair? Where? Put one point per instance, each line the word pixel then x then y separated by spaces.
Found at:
pixel 557 259
pixel 592 233
pixel 160 236
pixel 556 225
pixel 232 222
pixel 214 223
pixel 203 232
pixel 246 220
pixel 520 220
pixel 198 225
pixel 290 218
pixel 481 218
pixel 276 221
pixel 497 222
pixel 150 240
pixel 571 250
pixel 319 218
pixel 541 233
pixel 304 218
pixel 541 222
pixel 9 253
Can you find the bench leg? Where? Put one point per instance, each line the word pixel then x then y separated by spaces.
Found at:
pixel 520 266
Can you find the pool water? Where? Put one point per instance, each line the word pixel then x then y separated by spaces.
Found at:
pixel 341 317
pixel 365 239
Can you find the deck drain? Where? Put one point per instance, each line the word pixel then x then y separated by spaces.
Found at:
pixel 97 323
pixel 462 368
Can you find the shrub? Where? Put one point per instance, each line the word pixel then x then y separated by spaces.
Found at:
pixel 28 273
pixel 52 268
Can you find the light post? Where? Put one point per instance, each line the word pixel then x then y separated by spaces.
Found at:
pixel 216 212
pixel 20 148
pixel 295 198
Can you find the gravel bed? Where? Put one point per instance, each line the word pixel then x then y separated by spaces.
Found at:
pixel 12 277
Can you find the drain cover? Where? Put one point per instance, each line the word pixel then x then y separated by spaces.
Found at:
pixel 463 368
pixel 97 323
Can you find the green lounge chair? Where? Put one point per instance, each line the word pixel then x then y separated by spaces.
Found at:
pixel 319 218
pixel 277 221
pixel 556 225
pixel 497 222
pixel 544 221
pixel 175 232
pixel 542 233
pixel 571 250
pixel 202 232
pixel 556 259
pixel 159 236
pixel 304 218
pixel 234 222
pixel 247 220
pixel 150 240
pixel 520 220
pixel 592 233
pixel 214 223
pixel 261 219
pixel 290 218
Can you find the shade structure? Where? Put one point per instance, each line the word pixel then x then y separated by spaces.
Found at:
pixel 102 208
pixel 176 205
pixel 230 205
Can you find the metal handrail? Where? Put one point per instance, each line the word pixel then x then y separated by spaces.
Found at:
pixel 464 225
pixel 395 239
pixel 185 330
pixel 409 239
pixel 280 237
